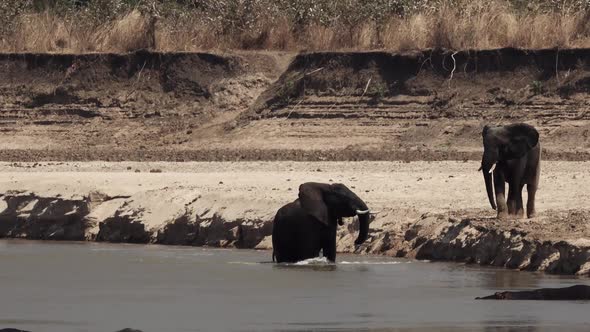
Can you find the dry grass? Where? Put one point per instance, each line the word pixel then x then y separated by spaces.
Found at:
pixel 452 24
pixel 132 32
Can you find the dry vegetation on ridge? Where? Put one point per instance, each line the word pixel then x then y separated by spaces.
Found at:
pixel 75 26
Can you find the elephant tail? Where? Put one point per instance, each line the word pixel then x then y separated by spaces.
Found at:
pixel 273 256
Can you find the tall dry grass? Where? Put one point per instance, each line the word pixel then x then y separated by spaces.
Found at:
pixel 395 25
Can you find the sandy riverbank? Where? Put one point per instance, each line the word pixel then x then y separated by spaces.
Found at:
pixel 430 210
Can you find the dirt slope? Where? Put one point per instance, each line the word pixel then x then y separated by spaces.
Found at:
pixel 63 105
pixel 435 102
pixel 426 105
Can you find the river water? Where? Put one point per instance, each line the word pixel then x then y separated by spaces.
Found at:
pixel 60 287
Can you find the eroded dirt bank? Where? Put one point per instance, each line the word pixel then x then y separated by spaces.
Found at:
pixel 67 105
pixel 428 105
pixel 429 210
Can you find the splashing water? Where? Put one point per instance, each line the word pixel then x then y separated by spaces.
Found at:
pixel 314 261
pixel 368 263
pixel 323 261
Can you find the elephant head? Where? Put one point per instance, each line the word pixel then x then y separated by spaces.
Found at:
pixel 504 143
pixel 328 203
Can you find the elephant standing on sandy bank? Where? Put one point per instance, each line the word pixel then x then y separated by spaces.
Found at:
pixel 511 154
pixel 304 227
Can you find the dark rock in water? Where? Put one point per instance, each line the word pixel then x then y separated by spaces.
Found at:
pixel 572 293
pixel 122 229
pixel 129 330
pixel 43 218
pixel 12 330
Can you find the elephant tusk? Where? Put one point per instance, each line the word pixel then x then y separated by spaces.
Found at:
pixel 492 168
pixel 362 212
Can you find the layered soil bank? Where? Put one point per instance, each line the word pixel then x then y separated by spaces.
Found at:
pixel 429 210
pixel 63 106
pixel 428 105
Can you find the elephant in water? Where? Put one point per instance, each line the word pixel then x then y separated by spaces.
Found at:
pixel 304 227
pixel 572 293
pixel 511 154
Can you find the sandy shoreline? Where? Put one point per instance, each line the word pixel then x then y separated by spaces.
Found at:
pixel 424 186
pixel 430 210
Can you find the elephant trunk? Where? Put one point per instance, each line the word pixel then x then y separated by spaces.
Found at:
pixel 364 216
pixel 489 188
pixel 488 166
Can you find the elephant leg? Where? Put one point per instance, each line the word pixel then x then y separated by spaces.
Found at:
pixel 530 204
pixel 515 188
pixel 519 205
pixel 533 185
pixel 329 244
pixel 500 198
pixel 511 202
pixel 515 200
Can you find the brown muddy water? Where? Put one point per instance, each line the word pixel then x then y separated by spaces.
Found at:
pixel 60 287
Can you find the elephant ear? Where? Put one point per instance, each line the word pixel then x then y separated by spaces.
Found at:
pixel 312 201
pixel 522 138
pixel 484 132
